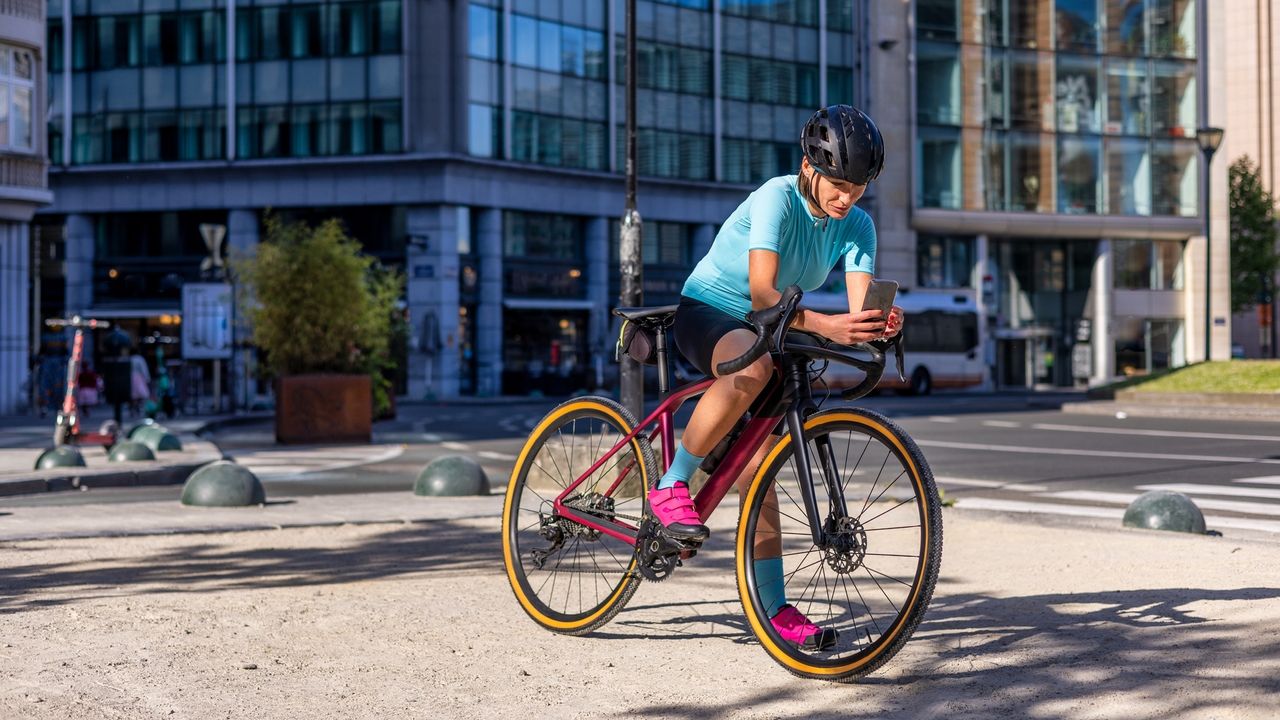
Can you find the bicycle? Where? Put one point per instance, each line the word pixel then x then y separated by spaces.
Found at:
pixel 577 537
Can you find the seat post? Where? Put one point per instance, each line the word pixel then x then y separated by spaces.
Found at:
pixel 664 379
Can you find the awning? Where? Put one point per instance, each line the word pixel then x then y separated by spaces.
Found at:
pixel 107 313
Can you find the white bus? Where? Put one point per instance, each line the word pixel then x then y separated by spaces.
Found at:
pixel 942 345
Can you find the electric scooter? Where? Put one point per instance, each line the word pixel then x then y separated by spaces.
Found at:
pixel 67 430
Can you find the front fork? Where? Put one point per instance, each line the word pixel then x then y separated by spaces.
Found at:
pixel 802 407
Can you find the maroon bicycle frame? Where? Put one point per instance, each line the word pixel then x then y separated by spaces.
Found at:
pixel 717 485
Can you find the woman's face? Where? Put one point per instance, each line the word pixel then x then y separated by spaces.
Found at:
pixel 835 197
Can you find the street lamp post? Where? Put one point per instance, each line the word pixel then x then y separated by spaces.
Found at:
pixel 1209 138
pixel 631 265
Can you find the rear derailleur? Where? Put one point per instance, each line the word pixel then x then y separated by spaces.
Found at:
pixel 660 555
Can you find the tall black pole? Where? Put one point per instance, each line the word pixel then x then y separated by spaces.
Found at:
pixel 1208 255
pixel 631 264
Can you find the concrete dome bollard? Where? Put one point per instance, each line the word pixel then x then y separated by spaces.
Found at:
pixel 130 450
pixel 147 423
pixel 158 439
pixel 1164 510
pixel 452 475
pixel 223 483
pixel 60 456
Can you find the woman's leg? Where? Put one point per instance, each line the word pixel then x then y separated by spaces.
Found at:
pixel 729 396
pixel 717 411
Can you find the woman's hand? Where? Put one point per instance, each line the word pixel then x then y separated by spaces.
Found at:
pixel 854 327
pixel 893 325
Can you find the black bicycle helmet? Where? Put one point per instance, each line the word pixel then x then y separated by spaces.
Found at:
pixel 841 142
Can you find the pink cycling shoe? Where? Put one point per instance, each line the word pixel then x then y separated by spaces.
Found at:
pixel 794 627
pixel 674 509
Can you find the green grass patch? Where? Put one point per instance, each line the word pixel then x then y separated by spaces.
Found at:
pixel 1229 376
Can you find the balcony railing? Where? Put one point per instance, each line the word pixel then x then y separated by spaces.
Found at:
pixel 22 171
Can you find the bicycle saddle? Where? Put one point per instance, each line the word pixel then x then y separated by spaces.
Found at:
pixel 649 316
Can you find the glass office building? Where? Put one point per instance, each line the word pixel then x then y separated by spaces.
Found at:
pixel 1039 151
pixel 478 146
pixel 1057 178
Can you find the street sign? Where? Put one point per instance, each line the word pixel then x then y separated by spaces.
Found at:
pixel 206 321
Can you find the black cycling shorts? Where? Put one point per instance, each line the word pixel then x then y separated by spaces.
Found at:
pixel 697 328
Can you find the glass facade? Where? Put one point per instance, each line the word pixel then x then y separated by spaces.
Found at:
pixel 770 80
pixel 1148 264
pixel 667 251
pixel 318 79
pixel 149 82
pixel 944 261
pixel 1066 106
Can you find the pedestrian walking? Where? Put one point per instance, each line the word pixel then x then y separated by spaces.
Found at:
pixel 139 382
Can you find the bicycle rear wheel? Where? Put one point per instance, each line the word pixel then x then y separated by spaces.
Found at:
pixel 568 577
pixel 873 583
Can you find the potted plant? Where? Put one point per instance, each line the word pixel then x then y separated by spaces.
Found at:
pixel 321 313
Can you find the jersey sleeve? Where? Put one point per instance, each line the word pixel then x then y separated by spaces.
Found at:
pixel 861 255
pixel 768 212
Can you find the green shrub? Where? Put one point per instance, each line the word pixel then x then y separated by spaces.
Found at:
pixel 317 305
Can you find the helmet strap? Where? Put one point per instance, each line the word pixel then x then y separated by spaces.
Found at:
pixel 810 193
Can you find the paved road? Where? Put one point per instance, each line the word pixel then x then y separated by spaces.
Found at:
pixel 1013 453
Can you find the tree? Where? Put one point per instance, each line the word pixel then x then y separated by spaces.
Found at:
pixel 1254 259
pixel 317 305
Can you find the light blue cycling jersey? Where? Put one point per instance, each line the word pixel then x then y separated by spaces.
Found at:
pixel 776 217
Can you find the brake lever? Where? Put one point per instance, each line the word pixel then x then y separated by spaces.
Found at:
pixel 899 356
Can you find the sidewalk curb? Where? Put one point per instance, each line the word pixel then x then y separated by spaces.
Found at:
pixel 1154 410
pixel 76 478
pixel 166 475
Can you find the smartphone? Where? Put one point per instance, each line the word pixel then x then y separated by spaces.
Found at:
pixel 880 297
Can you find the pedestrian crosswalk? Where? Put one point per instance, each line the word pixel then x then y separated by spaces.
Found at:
pixel 1244 503
pixel 284 464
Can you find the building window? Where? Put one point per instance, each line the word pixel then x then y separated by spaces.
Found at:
pixel 937 20
pixel 1128 178
pixel 1175 170
pixel 543 255
pixel 1077 25
pixel 938 84
pixel 944 262
pixel 1128 97
pixel 1076 88
pixel 666 249
pixel 1078 174
pixel 1143 345
pixel 939 168
pixel 1148 264
pixel 17 112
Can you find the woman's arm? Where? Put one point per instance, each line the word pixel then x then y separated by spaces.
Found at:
pixel 762 276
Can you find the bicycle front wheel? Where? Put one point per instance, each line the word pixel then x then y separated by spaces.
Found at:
pixel 569 577
pixel 873 580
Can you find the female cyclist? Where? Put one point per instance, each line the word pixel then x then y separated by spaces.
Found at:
pixel 791 230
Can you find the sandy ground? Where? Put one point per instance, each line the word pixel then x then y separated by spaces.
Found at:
pixel 417 620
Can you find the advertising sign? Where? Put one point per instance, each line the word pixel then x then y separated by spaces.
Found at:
pixel 206 321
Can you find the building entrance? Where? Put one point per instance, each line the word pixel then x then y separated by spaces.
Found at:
pixel 545 352
pixel 1042 288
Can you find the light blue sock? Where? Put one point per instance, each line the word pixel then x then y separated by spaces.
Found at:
pixel 682 467
pixel 769 584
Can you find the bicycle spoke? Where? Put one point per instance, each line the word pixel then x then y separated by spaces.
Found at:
pixel 891 484
pixel 882 590
pixel 867 502
pixel 856 465
pixel 885 576
pixel 886 512
pixel 870 613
